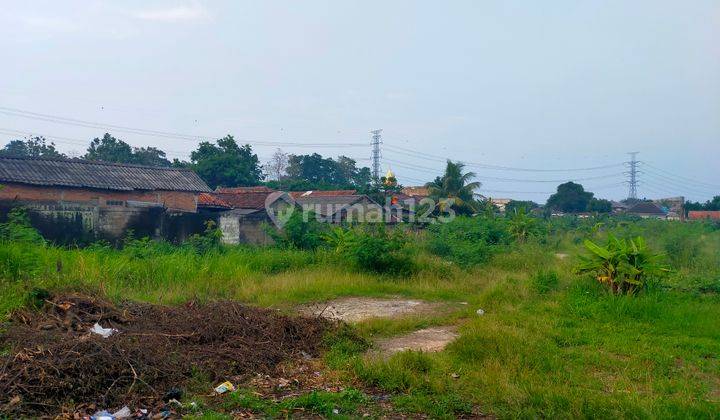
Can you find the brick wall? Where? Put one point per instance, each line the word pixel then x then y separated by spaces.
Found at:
pixel 173 200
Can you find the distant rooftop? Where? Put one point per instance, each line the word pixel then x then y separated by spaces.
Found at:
pixel 100 175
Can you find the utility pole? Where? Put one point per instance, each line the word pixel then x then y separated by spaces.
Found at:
pixel 633 174
pixel 376 141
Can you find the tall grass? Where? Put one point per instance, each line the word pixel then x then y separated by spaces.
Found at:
pixel 550 343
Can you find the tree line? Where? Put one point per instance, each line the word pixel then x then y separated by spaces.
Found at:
pixel 220 163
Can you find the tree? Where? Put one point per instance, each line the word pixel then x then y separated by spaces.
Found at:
pixel 276 167
pixel 599 206
pixel 109 149
pixel 318 172
pixel 31 147
pixel 570 198
pixel 150 156
pixel 225 164
pixel 313 168
pixel 710 205
pixel 455 185
pixel 516 205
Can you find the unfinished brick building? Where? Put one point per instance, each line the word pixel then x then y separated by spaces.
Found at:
pixel 70 199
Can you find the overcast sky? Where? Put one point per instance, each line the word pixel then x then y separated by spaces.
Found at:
pixel 526 85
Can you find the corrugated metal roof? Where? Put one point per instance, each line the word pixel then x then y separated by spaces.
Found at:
pixel 100 175
pixel 320 193
pixel 242 190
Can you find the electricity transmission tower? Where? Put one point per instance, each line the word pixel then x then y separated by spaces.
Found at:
pixel 633 176
pixel 376 141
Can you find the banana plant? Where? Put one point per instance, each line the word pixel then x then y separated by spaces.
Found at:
pixel 623 265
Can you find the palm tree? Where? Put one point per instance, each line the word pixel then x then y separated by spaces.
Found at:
pixel 455 185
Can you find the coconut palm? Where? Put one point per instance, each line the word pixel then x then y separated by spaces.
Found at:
pixel 455 187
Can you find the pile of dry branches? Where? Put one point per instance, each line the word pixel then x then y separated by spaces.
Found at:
pixel 53 362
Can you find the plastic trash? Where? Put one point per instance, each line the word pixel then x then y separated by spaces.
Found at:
pixel 225 387
pixel 122 413
pixel 104 332
pixel 102 415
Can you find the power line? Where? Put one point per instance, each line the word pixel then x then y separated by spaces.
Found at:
pixel 438 158
pixel 500 179
pixel 662 172
pixel 153 133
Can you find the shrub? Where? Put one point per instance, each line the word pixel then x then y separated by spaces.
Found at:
pixel 468 241
pixel 623 265
pixel 18 228
pixel 375 248
pixel 522 226
pixel 298 233
pixel 210 240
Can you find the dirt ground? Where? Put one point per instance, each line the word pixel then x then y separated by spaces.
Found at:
pixel 55 364
pixel 431 339
pixel 356 309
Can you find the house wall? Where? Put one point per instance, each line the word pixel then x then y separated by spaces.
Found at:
pixel 363 212
pixel 703 215
pixel 81 216
pixel 172 200
pixel 245 229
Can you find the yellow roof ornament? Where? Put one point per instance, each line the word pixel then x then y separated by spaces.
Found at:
pixel 390 178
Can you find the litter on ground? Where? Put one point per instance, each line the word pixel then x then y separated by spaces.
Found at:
pixel 103 332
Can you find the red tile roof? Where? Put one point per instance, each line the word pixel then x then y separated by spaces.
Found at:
pixel 240 190
pixel 209 200
pixel 416 191
pixel 700 215
pixel 314 193
pixel 248 200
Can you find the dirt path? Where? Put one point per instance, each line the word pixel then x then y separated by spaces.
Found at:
pixel 431 339
pixel 356 309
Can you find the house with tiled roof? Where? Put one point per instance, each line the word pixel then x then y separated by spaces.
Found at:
pixel 646 210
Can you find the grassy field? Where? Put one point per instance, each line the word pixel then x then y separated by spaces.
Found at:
pixel 550 344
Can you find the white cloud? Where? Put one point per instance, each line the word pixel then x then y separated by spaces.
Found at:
pixel 190 13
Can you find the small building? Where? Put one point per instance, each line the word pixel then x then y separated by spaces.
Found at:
pixel 72 199
pixel 703 215
pixel 618 207
pixel 247 225
pixel 339 206
pixel 646 210
pixel 418 193
pixel 252 211
pixel 500 203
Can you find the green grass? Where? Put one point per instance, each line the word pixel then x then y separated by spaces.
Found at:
pixel 550 344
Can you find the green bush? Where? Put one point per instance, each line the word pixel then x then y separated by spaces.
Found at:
pixel 468 241
pixel 298 233
pixel 374 248
pixel 18 228
pixel 210 240
pixel 623 265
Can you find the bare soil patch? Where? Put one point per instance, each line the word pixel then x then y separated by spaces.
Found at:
pixel 431 339
pixel 54 364
pixel 355 309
